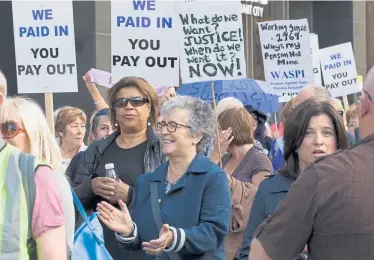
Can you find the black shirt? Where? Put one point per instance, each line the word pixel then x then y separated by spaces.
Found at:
pixel 129 165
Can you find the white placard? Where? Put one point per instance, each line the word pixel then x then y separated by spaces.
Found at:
pixel 145 41
pixel 314 46
pixel 339 69
pixel 45 46
pixel 211 44
pixel 286 54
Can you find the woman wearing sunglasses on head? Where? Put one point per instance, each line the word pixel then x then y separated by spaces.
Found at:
pixel 134 148
pixel 31 135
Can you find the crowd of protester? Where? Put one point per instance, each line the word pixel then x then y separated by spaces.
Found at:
pixel 229 184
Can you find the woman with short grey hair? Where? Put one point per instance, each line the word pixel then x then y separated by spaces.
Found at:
pixel 201 118
pixel 191 192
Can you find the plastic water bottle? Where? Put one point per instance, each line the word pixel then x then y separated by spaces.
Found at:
pixel 109 171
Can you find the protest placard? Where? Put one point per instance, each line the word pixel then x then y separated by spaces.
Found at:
pixel 286 54
pixel 211 43
pixel 339 69
pixel 314 46
pixel 45 46
pixel 145 42
pixel 253 94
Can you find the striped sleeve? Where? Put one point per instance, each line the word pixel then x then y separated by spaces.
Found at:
pixel 128 239
pixel 179 240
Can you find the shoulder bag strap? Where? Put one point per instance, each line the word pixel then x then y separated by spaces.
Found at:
pixel 157 215
pixel 155 205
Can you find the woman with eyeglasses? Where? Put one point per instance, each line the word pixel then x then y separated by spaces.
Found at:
pixel 134 148
pixel 191 192
pixel 352 118
pixel 23 125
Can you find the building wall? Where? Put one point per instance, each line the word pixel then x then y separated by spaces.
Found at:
pixel 370 34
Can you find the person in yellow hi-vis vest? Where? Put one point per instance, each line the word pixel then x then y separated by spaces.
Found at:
pixel 31 214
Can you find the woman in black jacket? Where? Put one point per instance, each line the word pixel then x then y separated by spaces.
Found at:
pixel 133 149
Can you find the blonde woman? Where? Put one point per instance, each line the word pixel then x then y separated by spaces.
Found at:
pixel 31 134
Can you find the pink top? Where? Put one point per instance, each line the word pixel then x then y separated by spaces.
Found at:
pixel 48 213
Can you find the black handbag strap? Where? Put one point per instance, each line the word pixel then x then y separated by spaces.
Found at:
pixel 157 215
pixel 155 205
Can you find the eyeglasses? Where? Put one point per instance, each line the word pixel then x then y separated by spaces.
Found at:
pixel 135 102
pixel 10 129
pixel 171 126
pixel 352 125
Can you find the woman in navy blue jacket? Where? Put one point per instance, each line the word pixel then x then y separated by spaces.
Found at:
pixel 193 193
pixel 312 130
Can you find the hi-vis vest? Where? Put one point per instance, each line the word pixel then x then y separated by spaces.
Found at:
pixel 17 194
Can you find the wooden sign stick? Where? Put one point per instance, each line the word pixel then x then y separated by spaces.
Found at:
pixel 217 132
pixel 48 101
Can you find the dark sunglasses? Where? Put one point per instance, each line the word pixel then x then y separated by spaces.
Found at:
pixel 135 102
pixel 171 126
pixel 10 129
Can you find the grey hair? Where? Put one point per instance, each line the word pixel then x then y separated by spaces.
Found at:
pixel 201 118
pixel 227 103
pixel 319 92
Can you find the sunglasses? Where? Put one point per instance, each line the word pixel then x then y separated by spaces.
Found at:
pixel 10 129
pixel 135 102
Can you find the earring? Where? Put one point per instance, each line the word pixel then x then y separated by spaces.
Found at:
pixel 116 124
pixel 148 123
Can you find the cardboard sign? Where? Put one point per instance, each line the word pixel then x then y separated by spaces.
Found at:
pixel 145 42
pixel 314 46
pixel 286 55
pixel 211 43
pixel 45 46
pixel 246 90
pixel 339 70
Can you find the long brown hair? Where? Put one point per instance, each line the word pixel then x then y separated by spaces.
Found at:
pixel 295 129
